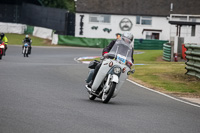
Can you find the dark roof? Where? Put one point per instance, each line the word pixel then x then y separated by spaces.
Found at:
pixel 20 2
pixel 183 23
pixel 138 7
pixel 151 30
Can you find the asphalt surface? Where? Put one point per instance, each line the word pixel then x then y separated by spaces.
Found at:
pixel 45 93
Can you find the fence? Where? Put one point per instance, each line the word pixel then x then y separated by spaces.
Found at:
pixel 144 44
pixel 24 29
pixel 193 59
pixel 83 42
pixel 101 43
pixel 57 19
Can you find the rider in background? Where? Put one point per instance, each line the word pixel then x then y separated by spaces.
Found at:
pixel 28 40
pixel 107 49
pixel 118 35
pixel 5 40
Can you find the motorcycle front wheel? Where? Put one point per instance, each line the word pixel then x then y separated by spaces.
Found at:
pixel 24 52
pixel 106 96
pixel 92 97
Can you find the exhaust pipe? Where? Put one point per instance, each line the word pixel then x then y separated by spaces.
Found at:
pixel 88 89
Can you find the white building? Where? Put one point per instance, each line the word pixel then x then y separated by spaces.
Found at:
pixel 146 27
pixel 145 19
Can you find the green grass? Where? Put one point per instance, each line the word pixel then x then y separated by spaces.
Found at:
pixel 162 75
pixel 147 56
pixel 16 39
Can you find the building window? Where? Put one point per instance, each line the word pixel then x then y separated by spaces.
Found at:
pixel 99 18
pixel 143 20
pixel 152 36
pixel 137 19
pixel 193 30
pixel 155 36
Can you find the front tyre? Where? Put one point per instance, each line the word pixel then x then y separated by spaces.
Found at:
pixel 3 52
pixel 24 52
pixel 92 97
pixel 106 96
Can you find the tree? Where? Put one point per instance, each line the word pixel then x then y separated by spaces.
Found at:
pixel 63 4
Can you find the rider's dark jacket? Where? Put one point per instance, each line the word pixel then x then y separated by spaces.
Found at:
pixel 28 40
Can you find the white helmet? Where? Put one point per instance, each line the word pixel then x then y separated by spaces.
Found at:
pixel 27 36
pixel 128 35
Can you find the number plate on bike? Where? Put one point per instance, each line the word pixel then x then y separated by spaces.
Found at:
pixel 121 58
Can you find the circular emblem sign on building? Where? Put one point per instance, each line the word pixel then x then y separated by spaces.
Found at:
pixel 125 24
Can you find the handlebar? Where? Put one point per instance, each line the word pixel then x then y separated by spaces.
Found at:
pixel 111 56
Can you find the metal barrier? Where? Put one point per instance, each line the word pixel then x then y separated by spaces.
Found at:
pixel 193 59
pixel 167 48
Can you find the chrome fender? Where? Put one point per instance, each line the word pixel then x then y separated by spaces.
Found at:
pixel 114 78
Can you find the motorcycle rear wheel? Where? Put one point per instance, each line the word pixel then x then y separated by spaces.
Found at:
pixel 106 96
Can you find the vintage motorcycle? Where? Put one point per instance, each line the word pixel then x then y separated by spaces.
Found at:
pixel 114 70
pixel 25 50
pixel 2 49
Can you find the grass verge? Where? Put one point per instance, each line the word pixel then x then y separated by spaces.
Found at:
pixel 16 39
pixel 167 77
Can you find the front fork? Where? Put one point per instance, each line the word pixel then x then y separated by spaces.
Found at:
pixel 24 49
pixel 110 78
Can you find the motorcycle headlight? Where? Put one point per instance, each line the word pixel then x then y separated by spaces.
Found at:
pixel 1 46
pixel 124 70
pixel 111 64
pixel 117 70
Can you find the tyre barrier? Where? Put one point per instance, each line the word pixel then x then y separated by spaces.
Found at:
pixel 193 59
pixel 167 52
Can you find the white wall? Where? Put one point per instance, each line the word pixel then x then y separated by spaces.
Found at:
pixel 186 33
pixel 12 28
pixel 158 23
pixel 42 32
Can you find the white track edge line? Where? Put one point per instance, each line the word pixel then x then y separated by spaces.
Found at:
pixel 163 94
pixel 75 59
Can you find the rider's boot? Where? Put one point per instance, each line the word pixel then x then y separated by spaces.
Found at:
pixel 90 84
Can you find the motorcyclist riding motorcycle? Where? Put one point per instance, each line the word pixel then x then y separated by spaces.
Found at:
pixel 5 40
pixel 28 40
pixel 127 36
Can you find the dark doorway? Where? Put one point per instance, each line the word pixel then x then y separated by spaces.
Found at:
pixel 155 36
